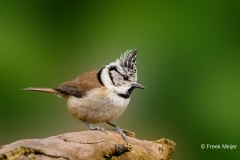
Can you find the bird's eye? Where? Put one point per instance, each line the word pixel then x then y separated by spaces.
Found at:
pixel 125 77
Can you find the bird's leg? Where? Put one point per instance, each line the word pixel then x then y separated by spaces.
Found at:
pixel 117 129
pixel 94 128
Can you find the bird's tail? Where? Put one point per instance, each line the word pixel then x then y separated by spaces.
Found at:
pixel 47 90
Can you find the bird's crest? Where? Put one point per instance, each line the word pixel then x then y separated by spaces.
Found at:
pixel 128 59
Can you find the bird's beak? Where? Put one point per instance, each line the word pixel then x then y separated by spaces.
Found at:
pixel 137 85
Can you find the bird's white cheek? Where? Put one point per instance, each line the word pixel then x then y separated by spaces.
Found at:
pixel 122 103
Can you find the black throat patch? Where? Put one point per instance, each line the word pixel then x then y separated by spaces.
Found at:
pixel 127 94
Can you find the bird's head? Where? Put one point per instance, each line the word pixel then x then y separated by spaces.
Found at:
pixel 121 75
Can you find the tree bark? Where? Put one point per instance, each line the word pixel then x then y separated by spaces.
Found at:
pixel 88 145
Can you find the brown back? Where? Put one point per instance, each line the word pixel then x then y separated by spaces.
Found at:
pixel 79 86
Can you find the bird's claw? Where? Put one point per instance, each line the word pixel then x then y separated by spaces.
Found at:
pixel 97 128
pixel 122 133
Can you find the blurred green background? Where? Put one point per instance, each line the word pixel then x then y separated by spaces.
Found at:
pixel 188 60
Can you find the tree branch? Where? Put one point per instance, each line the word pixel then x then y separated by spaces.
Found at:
pixel 88 145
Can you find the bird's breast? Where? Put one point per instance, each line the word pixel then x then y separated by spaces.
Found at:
pixel 99 105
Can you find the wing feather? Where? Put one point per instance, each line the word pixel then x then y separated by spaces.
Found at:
pixel 81 85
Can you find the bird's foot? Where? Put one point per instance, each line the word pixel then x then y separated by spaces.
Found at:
pixel 94 128
pixel 97 128
pixel 122 133
pixel 117 129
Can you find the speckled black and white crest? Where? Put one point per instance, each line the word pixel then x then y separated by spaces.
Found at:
pixel 128 60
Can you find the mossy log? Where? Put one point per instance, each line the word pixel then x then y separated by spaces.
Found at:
pixel 88 145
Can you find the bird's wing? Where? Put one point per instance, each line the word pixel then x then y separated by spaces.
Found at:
pixel 79 86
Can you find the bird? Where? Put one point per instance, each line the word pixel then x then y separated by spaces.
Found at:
pixel 102 95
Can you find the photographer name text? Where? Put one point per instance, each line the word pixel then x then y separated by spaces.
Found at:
pixel 219 146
